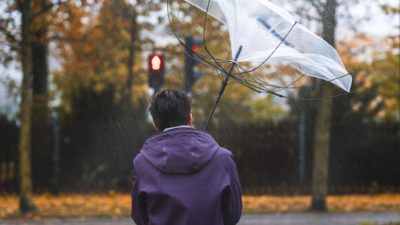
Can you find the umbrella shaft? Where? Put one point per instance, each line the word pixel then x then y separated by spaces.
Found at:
pixel 223 85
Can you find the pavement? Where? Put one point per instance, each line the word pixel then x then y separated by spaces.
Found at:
pixel 367 218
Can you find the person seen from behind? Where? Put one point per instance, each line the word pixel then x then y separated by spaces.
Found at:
pixel 181 176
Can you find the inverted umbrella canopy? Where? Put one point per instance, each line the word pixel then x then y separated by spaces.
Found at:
pixel 266 31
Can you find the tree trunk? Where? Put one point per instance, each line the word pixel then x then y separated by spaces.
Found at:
pixel 321 150
pixel 25 181
pixel 131 59
pixel 322 130
pixel 41 151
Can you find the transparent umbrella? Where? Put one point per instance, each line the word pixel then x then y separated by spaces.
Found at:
pixel 261 32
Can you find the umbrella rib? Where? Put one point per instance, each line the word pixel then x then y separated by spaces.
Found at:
pixel 186 48
pixel 259 89
pixel 223 86
pixel 262 82
pixel 253 82
pixel 204 35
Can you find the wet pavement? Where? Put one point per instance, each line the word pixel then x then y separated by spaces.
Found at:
pixel 254 219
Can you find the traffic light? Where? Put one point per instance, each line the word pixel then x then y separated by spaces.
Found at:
pixel 191 59
pixel 156 71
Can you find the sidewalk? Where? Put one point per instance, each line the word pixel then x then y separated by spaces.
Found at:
pixel 254 219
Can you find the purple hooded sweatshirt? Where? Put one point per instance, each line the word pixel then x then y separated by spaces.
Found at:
pixel 183 177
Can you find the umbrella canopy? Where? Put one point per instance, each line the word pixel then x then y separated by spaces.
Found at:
pixel 266 31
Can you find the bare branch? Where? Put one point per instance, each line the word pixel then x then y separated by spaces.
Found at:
pixel 10 37
pixel 12 46
pixel 309 17
pixel 48 7
pixel 354 21
pixel 318 5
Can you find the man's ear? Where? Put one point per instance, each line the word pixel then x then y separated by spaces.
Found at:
pixel 155 127
pixel 190 120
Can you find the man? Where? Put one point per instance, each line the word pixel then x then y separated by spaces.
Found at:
pixel 181 176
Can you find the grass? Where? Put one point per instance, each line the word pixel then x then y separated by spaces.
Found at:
pixel 119 204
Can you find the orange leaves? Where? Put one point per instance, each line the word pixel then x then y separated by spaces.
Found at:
pixel 8 205
pixel 374 64
pixel 94 51
pixel 71 205
pixel 376 203
pixel 341 203
pixel 268 204
pixel 358 49
pixel 119 204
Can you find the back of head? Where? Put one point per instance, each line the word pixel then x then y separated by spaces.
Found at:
pixel 170 108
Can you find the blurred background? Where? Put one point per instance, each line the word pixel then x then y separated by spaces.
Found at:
pixel 76 78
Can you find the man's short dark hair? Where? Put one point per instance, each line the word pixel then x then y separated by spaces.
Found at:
pixel 170 108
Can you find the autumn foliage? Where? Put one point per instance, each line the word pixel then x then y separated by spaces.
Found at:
pixel 119 204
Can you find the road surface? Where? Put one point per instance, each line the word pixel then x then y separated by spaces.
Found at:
pixel 255 219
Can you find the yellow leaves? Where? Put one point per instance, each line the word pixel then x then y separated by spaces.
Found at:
pixel 94 51
pixel 119 204
pixel 8 205
pixel 268 204
pixel 87 48
pixel 358 49
pixel 377 203
pixel 367 83
pixel 374 64
pixel 389 9
pixel 342 203
pixel 391 103
pixel 71 205
pixel 99 87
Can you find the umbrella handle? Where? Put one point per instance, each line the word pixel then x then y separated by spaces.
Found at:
pixel 223 85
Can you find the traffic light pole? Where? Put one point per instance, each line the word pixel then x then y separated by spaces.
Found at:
pixel 191 59
pixel 223 86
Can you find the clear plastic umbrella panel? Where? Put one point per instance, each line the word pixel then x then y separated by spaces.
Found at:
pixel 260 31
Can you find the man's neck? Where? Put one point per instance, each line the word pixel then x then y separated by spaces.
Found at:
pixel 170 128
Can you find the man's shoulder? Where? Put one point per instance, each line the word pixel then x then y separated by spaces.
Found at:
pixel 138 160
pixel 223 156
pixel 224 152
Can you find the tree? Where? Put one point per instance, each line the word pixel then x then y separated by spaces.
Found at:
pixel 326 13
pixel 319 187
pixel 92 58
pixel 365 103
pixel 25 181
pixel 387 66
pixel 386 76
pixel 101 82
pixel 41 151
pixel 20 46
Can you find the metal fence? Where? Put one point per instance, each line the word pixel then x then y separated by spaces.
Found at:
pixel 8 156
pixel 363 157
pixel 271 158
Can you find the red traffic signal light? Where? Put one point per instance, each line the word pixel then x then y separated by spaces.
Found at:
pixel 156 71
pixel 156 62
pixel 195 47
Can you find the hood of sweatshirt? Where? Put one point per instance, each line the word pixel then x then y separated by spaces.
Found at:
pixel 181 150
